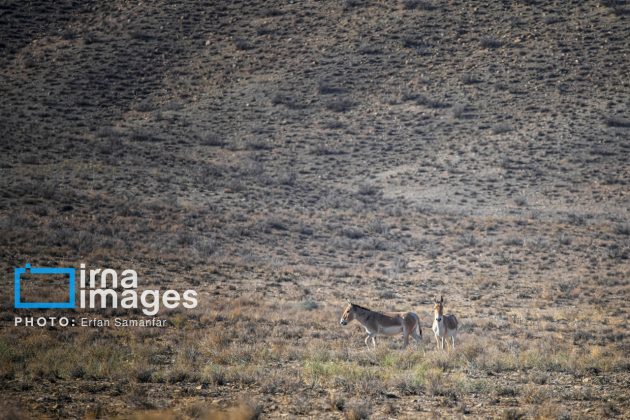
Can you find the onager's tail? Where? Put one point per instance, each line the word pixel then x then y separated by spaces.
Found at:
pixel 418 328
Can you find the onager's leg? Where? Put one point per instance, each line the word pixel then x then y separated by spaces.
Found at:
pixel 405 338
pixel 416 337
pixel 453 340
pixel 442 338
pixel 366 341
pixel 374 341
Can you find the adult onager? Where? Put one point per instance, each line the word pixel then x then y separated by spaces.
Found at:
pixel 443 325
pixel 383 323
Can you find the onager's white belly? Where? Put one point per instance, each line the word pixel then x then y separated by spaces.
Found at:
pixel 390 330
pixel 440 330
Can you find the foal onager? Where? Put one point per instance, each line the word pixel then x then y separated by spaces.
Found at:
pixel 383 323
pixel 443 325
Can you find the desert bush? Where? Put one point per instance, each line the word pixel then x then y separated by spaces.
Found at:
pixel 243 44
pixel 340 105
pixel 431 103
pixel 288 101
pixel 623 229
pixel 459 110
pixel 325 88
pixel 419 46
pixel 351 4
pixel 211 139
pixel 367 189
pixel 470 79
pixel 501 128
pixel 358 410
pixel 145 135
pixel 514 241
pixel 490 42
pixel 419 4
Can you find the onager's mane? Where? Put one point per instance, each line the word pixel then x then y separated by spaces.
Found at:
pixel 364 308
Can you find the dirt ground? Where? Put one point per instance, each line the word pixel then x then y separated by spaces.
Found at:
pixel 281 157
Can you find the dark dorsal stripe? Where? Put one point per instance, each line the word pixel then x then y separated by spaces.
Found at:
pixel 361 307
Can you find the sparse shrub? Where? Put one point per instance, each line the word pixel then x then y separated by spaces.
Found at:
pixel 507 391
pixel 325 88
pixel 470 79
pixel 514 241
pixel 512 414
pixel 214 374
pixel 418 45
pixel 468 239
pixel 351 4
pixel 185 238
pixel 419 4
pixel 265 30
pixel 91 38
pixel 271 12
pixel 68 35
pixel 369 49
pixel 576 219
pixel 358 411
pixel 378 226
pixel 431 103
pixel 520 201
pixel 618 7
pixel 145 105
pixel 459 110
pixel 141 35
pixel 144 375
pixel 212 139
pixel 336 402
pixel 367 189
pixel 143 134
pixel 306 230
pixel 177 375
pixel 275 223
pixel 288 101
pixel 564 239
pixel 501 128
pixel 352 232
pixel 490 42
pixel 108 131
pixel 334 124
pixel 623 229
pixel 340 105
pixel 287 178
pixel 77 372
pixel 550 20
pixel 243 44
pixel 387 294
pixel 581 336
pixel 309 305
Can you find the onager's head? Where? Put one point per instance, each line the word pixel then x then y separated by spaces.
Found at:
pixel 348 314
pixel 438 308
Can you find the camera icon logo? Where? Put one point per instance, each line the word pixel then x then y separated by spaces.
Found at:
pixel 70 272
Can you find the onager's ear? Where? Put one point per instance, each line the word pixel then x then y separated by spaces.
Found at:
pixel 441 299
pixel 348 300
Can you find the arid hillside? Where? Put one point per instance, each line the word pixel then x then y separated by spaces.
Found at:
pixel 280 157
